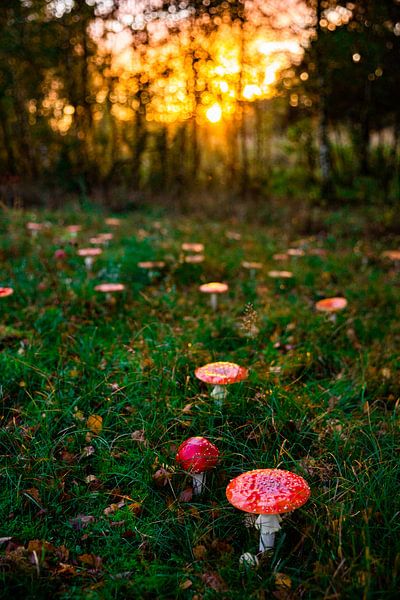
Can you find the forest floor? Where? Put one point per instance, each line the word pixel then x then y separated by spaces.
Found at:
pixel 97 394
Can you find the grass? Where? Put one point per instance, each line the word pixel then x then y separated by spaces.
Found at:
pixel 96 396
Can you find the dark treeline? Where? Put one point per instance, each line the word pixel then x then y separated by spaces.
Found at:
pixel 167 114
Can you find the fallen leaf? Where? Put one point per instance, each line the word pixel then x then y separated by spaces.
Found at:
pixel 214 581
pixel 113 507
pixel 282 581
pixel 95 424
pixel 185 585
pixel 186 495
pixel 81 521
pixel 199 552
pixel 138 436
pixel 162 477
pixel 91 560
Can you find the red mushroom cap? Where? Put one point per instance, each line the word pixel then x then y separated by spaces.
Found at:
pixel 194 258
pixel 192 247
pixel 214 287
pixel 109 287
pixel 268 491
pixel 391 254
pixel 114 222
pixel 32 226
pixel 74 228
pixel 60 254
pixel 197 454
pixel 251 265
pixel 89 251
pixel 331 304
pixel 221 373
pixel 6 291
pixel 280 274
pixel 151 264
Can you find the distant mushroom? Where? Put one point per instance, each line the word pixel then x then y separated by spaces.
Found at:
pixel 393 255
pixel 221 374
pixel 331 305
pixel 252 267
pixel 268 493
pixel 192 247
pixel 73 230
pixel 6 291
pixel 280 256
pixel 295 252
pixel 214 288
pixel 280 274
pixel 60 254
pixel 89 255
pixel 113 222
pixel 34 228
pixel 152 266
pixel 194 259
pixel 109 288
pixel 197 455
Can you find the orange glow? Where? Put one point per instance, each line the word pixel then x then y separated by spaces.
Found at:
pixel 214 113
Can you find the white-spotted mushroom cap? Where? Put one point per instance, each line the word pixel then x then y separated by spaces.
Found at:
pixel 221 373
pixel 268 491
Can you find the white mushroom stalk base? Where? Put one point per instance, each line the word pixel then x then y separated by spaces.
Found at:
pixel 88 262
pixel 268 526
pixel 219 392
pixel 198 483
pixel 214 301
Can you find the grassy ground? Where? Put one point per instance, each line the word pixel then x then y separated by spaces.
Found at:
pixel 97 395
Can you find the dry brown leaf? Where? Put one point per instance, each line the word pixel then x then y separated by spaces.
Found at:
pixel 185 585
pixel 95 424
pixel 214 581
pixel 199 552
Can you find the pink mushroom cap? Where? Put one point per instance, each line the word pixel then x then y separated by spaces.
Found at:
pixel 331 304
pixel 109 287
pixel 280 274
pixel 89 251
pixel 268 491
pixel 214 287
pixel 221 373
pixel 192 247
pixel 6 291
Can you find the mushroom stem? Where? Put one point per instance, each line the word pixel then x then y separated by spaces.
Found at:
pixel 198 483
pixel 214 301
pixel 88 262
pixel 268 525
pixel 219 392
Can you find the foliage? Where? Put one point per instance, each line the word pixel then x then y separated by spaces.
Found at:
pixel 96 397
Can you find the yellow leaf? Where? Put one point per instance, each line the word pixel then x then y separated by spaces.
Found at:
pixel 282 581
pixel 95 423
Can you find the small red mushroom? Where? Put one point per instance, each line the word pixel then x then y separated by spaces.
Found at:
pixel 331 305
pixel 252 267
pixel 109 288
pixel 89 254
pixel 221 374
pixel 113 221
pixel 60 254
pixel 214 288
pixel 197 455
pixel 268 493
pixel 6 291
pixel 192 247
pixel 280 274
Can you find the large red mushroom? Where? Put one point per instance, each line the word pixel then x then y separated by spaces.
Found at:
pixel 197 455
pixel 268 493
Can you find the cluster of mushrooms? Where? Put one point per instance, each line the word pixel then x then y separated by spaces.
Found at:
pixel 267 493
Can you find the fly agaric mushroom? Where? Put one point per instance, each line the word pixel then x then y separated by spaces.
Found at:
pixel 280 256
pixel 280 274
pixel 113 222
pixel 89 254
pixel 214 288
pixel 194 259
pixel 6 291
pixel 60 254
pixel 192 247
pixel 268 493
pixel 295 252
pixel 252 267
pixel 393 255
pixel 34 227
pixel 151 264
pixel 331 305
pixel 109 288
pixel 197 455
pixel 73 230
pixel 221 374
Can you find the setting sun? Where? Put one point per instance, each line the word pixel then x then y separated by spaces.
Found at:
pixel 214 113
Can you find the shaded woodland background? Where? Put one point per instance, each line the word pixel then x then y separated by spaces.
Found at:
pixel 121 100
